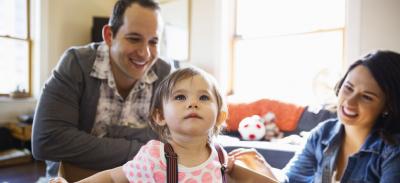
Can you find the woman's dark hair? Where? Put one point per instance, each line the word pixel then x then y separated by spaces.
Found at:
pixel 385 68
pixel 117 17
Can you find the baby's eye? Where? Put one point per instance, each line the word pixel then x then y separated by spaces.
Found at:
pixel 180 97
pixel 204 97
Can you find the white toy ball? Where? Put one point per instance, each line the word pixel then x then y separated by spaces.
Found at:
pixel 252 128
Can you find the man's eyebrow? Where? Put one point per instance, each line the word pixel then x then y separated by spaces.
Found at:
pixel 133 34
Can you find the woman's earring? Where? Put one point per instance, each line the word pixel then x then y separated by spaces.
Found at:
pixel 385 114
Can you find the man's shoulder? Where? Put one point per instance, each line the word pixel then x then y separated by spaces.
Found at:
pixel 84 56
pixel 162 64
pixel 162 68
pixel 85 52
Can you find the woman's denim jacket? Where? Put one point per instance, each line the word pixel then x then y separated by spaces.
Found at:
pixel 377 161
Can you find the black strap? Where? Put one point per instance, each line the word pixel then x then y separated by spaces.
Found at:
pixel 172 163
pixel 222 161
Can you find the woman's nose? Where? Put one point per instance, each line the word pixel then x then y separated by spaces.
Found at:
pixel 351 100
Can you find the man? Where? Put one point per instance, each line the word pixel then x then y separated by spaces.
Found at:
pixel 93 111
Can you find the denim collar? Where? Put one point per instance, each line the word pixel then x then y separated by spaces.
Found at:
pixel 334 133
pixel 370 145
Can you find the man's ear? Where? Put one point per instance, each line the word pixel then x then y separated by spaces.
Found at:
pixel 107 34
pixel 222 116
pixel 159 118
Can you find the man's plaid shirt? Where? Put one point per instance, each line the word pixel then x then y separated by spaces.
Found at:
pixel 112 109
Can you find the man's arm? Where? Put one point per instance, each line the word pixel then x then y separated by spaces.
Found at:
pixel 57 135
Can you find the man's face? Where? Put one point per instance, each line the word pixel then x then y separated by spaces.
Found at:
pixel 134 48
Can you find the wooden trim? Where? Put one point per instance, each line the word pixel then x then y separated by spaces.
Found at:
pixel 13 38
pixel 243 37
pixel 28 36
pixel 189 30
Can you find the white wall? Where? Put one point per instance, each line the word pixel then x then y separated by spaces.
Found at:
pixel 210 37
pixel 371 25
pixel 69 24
pixel 380 25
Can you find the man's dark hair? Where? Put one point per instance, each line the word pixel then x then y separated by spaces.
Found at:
pixel 117 17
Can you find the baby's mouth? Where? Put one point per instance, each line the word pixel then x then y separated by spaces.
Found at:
pixel 193 115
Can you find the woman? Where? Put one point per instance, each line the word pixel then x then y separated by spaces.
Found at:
pixel 362 144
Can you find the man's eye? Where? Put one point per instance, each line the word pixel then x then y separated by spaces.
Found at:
pixel 133 39
pixel 180 97
pixel 204 97
pixel 154 42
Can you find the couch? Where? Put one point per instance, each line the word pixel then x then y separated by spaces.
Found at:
pixel 279 152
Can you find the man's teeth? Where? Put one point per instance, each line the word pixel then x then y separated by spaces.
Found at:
pixel 139 63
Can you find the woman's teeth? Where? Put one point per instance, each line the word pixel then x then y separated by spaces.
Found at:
pixel 349 112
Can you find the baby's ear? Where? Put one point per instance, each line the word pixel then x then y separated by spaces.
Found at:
pixel 222 116
pixel 158 117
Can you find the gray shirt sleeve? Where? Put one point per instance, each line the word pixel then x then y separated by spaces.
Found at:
pixel 58 130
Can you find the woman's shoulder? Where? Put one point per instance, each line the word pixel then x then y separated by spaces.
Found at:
pixel 389 149
pixel 329 126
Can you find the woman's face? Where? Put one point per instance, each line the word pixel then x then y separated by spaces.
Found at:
pixel 361 100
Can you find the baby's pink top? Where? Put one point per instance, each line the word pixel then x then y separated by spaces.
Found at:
pixel 149 166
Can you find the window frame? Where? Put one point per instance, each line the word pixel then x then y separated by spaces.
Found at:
pixel 28 40
pixel 236 38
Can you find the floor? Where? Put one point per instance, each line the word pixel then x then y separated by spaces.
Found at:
pixel 23 173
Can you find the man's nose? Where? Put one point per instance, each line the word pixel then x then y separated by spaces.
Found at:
pixel 144 51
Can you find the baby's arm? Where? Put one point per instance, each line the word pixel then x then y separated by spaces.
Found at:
pixel 115 175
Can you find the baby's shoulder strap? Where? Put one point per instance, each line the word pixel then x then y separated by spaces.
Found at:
pixel 222 161
pixel 172 163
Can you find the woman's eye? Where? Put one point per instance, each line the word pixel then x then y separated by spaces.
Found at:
pixel 366 97
pixel 204 97
pixel 180 97
pixel 347 88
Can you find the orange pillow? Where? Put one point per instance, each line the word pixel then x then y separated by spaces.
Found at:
pixel 287 115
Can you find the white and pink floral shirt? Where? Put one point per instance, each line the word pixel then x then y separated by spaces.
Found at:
pixel 149 166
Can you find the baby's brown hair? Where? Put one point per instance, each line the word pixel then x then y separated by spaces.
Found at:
pixel 164 91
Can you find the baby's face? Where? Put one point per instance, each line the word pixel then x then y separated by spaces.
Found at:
pixel 192 109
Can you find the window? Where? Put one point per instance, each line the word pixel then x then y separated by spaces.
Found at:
pixel 290 50
pixel 15 46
